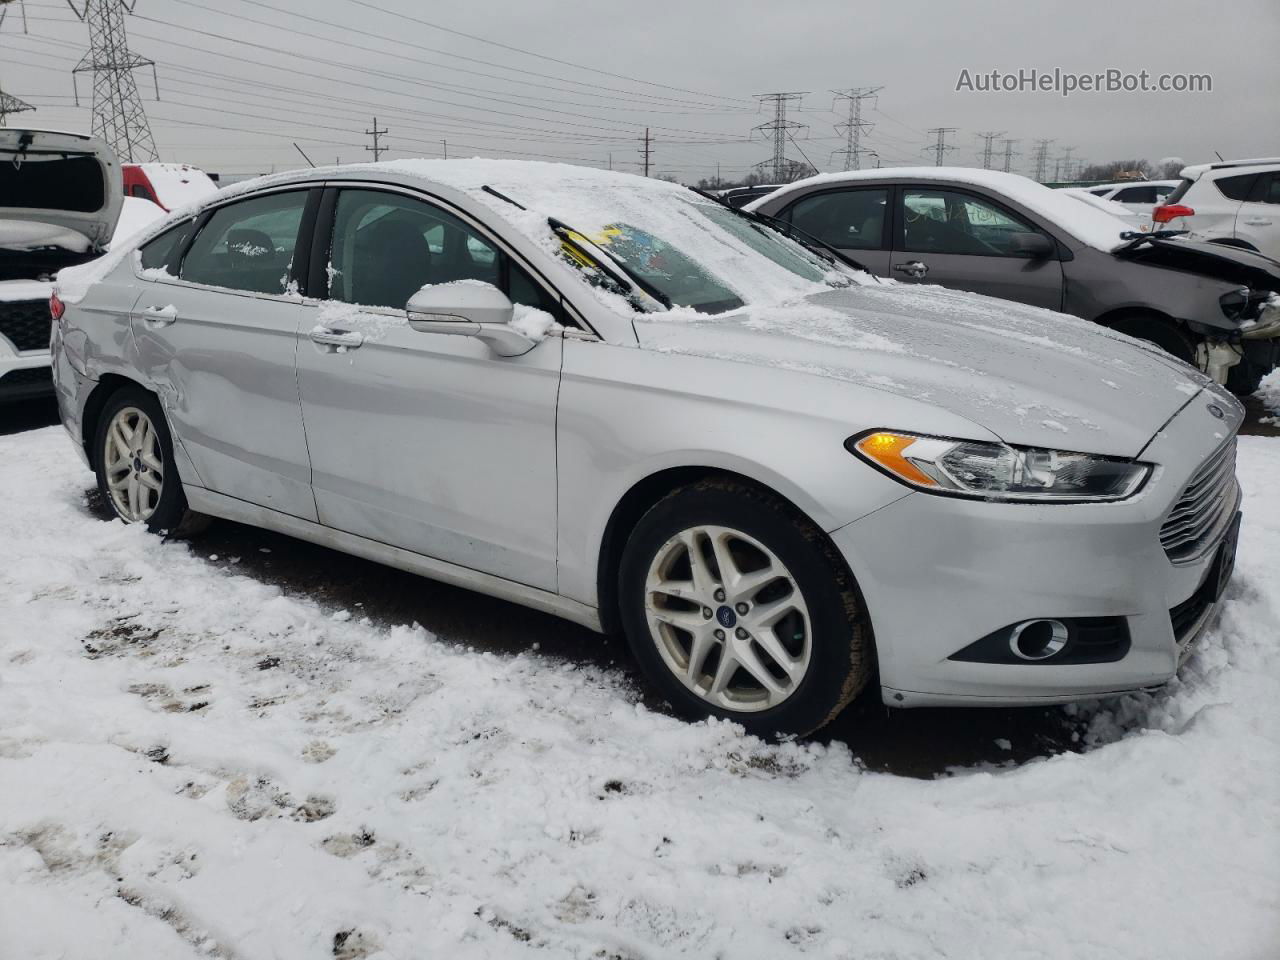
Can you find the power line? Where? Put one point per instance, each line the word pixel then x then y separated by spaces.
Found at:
pixel 779 128
pixel 1064 164
pixel 118 115
pixel 987 136
pixel 940 146
pixel 854 126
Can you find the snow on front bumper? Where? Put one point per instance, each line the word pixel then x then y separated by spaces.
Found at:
pixel 939 573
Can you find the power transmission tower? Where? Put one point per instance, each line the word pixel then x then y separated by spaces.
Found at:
pixel 1042 159
pixel 646 150
pixel 779 128
pixel 853 127
pixel 940 147
pixel 118 116
pixel 1066 161
pixel 377 148
pixel 10 104
pixel 1009 154
pixel 987 137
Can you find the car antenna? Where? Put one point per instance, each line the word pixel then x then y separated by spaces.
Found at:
pixel 1218 155
pixel 502 196
pixel 304 154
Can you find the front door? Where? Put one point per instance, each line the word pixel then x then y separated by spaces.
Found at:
pixel 963 241
pixel 428 442
pixel 218 344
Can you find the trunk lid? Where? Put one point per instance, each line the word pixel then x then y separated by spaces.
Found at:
pixel 57 191
pixel 1030 376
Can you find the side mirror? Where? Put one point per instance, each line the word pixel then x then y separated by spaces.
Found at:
pixel 468 308
pixel 1034 246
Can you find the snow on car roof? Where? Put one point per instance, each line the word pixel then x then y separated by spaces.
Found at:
pixel 1088 225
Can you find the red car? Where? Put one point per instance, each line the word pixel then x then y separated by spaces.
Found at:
pixel 169 185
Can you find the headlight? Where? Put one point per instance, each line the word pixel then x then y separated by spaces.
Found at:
pixel 997 471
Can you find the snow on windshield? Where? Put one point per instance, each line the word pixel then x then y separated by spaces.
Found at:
pixel 1094 227
pixel 600 205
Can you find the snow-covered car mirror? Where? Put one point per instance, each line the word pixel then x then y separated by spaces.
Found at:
pixel 468 308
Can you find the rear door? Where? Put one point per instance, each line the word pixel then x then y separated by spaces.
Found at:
pixel 965 241
pixel 854 220
pixel 1258 219
pixel 218 342
pixel 428 442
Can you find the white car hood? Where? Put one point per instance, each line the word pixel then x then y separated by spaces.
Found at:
pixel 57 189
pixel 1028 375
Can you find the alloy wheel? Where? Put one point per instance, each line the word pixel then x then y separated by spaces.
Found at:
pixel 134 465
pixel 728 618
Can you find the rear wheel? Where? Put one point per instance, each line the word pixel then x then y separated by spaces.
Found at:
pixel 133 459
pixel 737 606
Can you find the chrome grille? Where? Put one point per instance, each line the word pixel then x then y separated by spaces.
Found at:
pixel 1205 508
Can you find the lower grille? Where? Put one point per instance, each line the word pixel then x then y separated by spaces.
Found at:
pixel 26 324
pixel 31 377
pixel 1187 615
pixel 1205 508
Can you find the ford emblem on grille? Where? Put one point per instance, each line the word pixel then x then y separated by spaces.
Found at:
pixel 1216 412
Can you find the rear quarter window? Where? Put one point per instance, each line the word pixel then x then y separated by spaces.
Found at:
pixel 161 251
pixel 1235 188
pixel 1179 191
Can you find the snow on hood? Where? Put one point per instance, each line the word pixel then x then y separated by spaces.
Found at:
pixel 1030 376
pixel 1090 226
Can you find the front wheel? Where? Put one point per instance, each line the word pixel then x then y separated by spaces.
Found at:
pixel 737 606
pixel 133 460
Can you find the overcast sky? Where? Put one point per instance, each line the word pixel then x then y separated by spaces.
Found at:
pixel 235 102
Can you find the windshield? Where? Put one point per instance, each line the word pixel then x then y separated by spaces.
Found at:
pixel 701 260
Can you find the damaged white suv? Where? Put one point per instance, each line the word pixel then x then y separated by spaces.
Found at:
pixel 60 199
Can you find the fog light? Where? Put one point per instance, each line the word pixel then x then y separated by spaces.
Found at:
pixel 1038 639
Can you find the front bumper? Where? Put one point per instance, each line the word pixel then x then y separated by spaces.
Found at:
pixel 937 573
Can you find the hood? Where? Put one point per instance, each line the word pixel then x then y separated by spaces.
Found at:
pixel 1030 376
pixel 57 190
pixel 1229 264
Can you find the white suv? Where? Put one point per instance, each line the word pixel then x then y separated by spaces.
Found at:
pixel 1139 196
pixel 1236 203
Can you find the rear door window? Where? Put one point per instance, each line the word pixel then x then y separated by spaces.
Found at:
pixel 161 251
pixel 946 221
pixel 248 245
pixel 844 219
pixel 1266 189
pixel 1136 195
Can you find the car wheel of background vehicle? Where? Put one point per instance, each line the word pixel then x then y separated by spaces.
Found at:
pixel 737 606
pixel 1163 333
pixel 133 457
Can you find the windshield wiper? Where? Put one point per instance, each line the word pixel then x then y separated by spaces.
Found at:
pixel 1136 239
pixel 596 254
pixel 819 248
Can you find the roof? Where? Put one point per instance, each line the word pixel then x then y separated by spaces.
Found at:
pixel 1194 171
pixel 1087 224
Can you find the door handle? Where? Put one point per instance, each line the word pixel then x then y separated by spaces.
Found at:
pixel 912 268
pixel 1258 223
pixel 337 338
pixel 160 316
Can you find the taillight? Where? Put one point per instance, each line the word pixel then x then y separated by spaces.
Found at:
pixel 1168 212
pixel 56 307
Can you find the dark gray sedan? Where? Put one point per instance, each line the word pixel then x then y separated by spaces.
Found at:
pixel 1010 237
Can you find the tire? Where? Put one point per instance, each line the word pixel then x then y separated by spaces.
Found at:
pixel 147 489
pixel 1245 378
pixel 1166 335
pixel 818 653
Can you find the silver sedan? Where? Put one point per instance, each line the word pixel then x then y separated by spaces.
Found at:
pixel 621 402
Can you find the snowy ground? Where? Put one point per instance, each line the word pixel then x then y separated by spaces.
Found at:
pixel 193 764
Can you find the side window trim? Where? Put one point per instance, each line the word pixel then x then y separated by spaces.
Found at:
pixel 899 221
pixel 323 238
